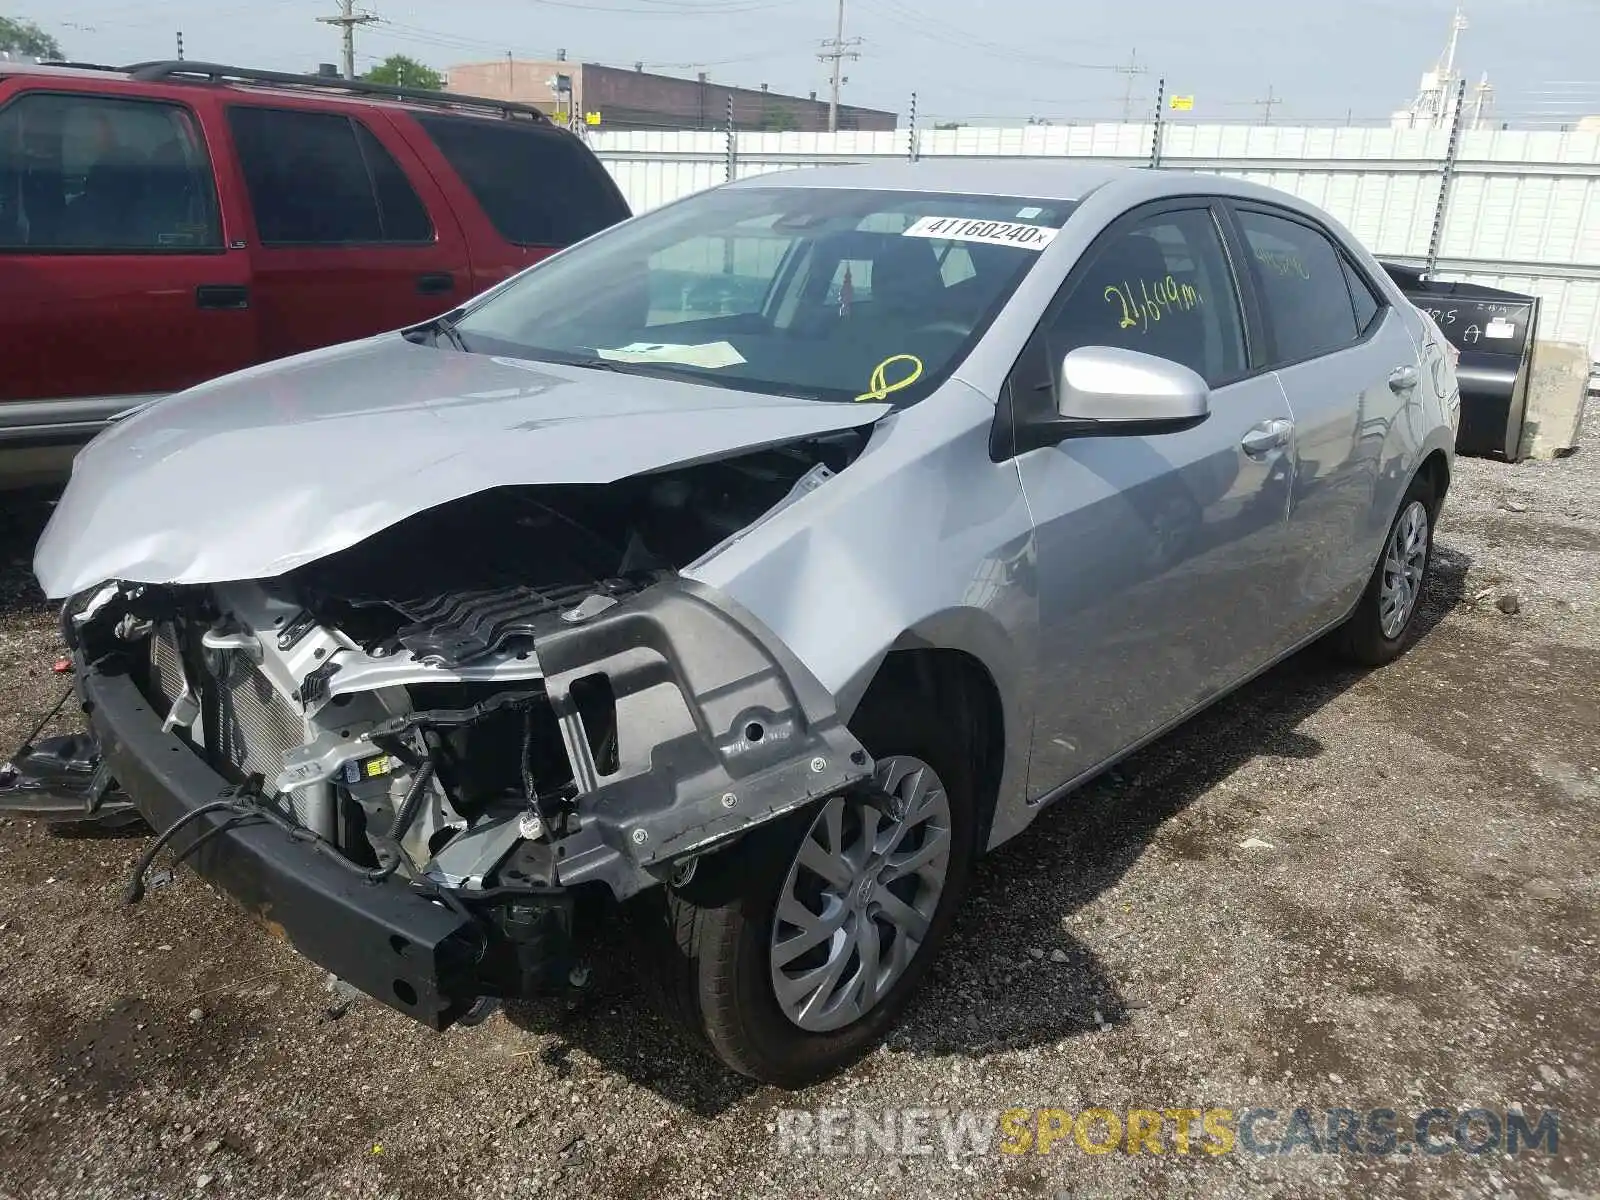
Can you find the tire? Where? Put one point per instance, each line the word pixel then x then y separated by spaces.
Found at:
pixel 714 969
pixel 1365 638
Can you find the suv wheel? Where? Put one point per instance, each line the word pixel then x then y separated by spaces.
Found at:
pixel 794 953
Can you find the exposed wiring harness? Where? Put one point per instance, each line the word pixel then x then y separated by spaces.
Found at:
pixel 244 802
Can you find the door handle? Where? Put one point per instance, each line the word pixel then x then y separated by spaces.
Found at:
pixel 435 283
pixel 222 295
pixel 1403 379
pixel 1267 436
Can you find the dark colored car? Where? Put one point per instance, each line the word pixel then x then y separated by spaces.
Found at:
pixel 171 222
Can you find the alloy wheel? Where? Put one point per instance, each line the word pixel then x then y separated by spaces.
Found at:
pixel 1404 562
pixel 859 897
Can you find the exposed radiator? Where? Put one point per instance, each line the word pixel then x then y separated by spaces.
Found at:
pixel 255 725
pixel 248 724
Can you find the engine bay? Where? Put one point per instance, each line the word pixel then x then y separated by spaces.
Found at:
pixel 487 573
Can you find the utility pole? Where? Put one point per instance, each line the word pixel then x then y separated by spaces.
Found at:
pixel 180 45
pixel 836 49
pixel 1266 106
pixel 1133 70
pixel 347 20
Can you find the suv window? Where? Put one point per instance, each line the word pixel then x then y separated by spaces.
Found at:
pixel 538 186
pixel 85 173
pixel 1300 278
pixel 1161 286
pixel 323 179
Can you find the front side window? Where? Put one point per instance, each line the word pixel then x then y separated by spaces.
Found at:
pixel 828 294
pixel 1300 278
pixel 1161 286
pixel 322 179
pixel 82 173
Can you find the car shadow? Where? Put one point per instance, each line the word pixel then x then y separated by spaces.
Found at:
pixel 22 519
pixel 1010 977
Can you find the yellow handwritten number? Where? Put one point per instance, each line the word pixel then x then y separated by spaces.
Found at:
pixel 879 387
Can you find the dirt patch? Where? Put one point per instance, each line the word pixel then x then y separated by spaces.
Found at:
pixel 1334 889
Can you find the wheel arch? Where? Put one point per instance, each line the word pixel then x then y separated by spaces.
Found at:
pixel 963 691
pixel 1435 468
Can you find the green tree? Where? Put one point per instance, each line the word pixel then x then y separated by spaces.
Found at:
pixel 775 119
pixel 26 38
pixel 951 125
pixel 399 71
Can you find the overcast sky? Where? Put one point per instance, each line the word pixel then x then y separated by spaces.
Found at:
pixel 997 58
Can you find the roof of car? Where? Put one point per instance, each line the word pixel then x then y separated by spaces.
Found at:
pixel 1043 179
pixel 249 81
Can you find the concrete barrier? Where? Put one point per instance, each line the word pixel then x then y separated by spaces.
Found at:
pixel 1558 386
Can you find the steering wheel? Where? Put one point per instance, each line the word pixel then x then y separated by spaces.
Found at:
pixel 946 326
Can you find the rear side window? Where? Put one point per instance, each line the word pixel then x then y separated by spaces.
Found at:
pixel 1362 296
pixel 83 173
pixel 538 186
pixel 1161 286
pixel 1300 278
pixel 322 179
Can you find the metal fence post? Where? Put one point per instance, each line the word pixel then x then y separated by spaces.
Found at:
pixel 1155 140
pixel 1447 176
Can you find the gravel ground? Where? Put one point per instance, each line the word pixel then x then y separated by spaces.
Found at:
pixel 1413 925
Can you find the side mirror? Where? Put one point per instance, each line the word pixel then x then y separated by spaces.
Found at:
pixel 1136 393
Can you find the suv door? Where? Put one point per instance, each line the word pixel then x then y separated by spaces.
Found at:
pixel 1157 555
pixel 346 246
pixel 115 278
pixel 1349 368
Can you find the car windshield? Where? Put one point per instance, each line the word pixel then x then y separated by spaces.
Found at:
pixel 822 293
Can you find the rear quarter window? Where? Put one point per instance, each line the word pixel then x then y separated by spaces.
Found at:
pixel 538 186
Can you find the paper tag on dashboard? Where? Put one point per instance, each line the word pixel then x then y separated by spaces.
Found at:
pixel 1500 328
pixel 993 233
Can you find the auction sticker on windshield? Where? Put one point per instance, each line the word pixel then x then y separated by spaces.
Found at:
pixel 994 233
pixel 706 354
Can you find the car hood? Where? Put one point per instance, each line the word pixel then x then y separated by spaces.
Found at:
pixel 256 473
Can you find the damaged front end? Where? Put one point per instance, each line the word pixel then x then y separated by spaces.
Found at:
pixel 420 756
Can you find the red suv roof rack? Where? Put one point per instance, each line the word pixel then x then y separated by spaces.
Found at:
pixel 184 71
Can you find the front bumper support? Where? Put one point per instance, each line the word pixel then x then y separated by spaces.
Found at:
pixel 392 942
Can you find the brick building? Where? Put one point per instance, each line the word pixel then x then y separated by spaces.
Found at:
pixel 638 99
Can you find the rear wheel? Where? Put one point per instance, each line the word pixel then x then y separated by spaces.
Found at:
pixel 1383 623
pixel 795 952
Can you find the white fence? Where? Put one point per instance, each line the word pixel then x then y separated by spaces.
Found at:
pixel 1523 211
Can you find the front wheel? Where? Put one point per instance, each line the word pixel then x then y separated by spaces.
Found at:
pixel 794 953
pixel 1383 623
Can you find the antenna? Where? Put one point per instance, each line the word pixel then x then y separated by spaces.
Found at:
pixel 1458 26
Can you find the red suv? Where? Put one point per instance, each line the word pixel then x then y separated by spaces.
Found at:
pixel 169 222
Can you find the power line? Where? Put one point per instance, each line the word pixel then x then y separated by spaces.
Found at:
pixel 1133 70
pixel 347 20
pixel 1266 106
pixel 835 50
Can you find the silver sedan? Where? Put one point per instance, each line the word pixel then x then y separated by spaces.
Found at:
pixel 756 564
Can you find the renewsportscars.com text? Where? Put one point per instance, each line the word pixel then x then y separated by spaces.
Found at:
pixel 1172 1131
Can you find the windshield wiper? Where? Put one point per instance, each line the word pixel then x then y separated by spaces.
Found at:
pixel 443 329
